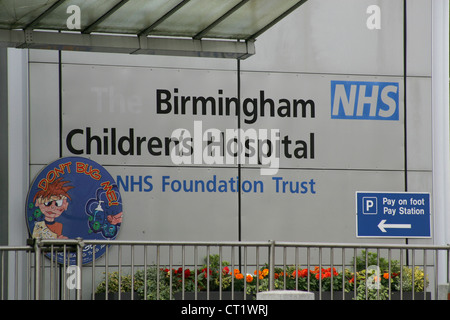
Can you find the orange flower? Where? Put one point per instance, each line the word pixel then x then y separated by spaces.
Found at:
pixel 239 276
pixel 261 274
pixel 386 275
pixel 249 278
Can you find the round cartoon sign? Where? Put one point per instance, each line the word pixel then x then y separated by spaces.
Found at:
pixel 74 197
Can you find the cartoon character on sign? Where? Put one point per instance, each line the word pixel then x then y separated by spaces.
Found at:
pixel 74 197
pixel 51 203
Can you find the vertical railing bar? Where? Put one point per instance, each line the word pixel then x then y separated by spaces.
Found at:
pixel 170 270
pixel 332 272
pixel 245 268
pixel 257 268
pixel 343 273
pixel 284 266
pixel 145 272
pixel 183 265
pixel 2 279
pixel 37 255
pixel 220 272
pixel 366 273
pixel 413 278
pixel 436 272
pixel 196 273
pixel 355 253
pixel 233 273
pixel 208 278
pixel 401 274
pixel 272 266
pixel 390 274
pixel 308 263
pixel 413 273
pixel 119 271
pixel 320 273
pixel 378 274
pixel 43 275
pixel 132 271
pixel 296 269
pixel 79 266
pixel 93 273
pixel 65 265
pixel 16 275
pixel 52 289
pixel 30 276
pixel 424 274
pixel 3 276
pixel 448 266
pixel 158 266
pixel 106 272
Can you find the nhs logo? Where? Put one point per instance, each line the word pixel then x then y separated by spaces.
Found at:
pixel 364 100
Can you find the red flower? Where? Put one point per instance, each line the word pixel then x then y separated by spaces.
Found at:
pixel 205 272
pixel 300 273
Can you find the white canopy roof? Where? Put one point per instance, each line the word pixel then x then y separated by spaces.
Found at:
pixel 213 28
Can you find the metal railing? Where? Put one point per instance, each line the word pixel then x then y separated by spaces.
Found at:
pixel 220 270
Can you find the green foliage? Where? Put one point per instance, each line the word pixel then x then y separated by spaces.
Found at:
pixel 114 283
pixel 153 283
pixel 372 260
pixel 379 293
pixel 420 281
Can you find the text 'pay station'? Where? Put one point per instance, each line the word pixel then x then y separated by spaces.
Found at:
pixel 399 214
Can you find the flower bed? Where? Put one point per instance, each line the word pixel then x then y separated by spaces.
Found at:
pixel 164 283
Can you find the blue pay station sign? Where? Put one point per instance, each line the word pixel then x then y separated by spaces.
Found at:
pixel 396 214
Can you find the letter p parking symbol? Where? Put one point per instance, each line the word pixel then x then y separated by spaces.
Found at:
pixel 369 205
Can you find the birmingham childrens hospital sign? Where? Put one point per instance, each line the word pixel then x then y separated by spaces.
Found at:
pixel 146 116
pixel 166 136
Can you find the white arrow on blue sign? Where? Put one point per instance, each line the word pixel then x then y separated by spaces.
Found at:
pixel 397 214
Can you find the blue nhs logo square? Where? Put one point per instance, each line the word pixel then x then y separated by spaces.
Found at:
pixel 369 205
pixel 364 100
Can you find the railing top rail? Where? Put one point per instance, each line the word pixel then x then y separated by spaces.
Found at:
pixel 362 245
pixel 243 243
pixel 15 248
pixel 162 243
